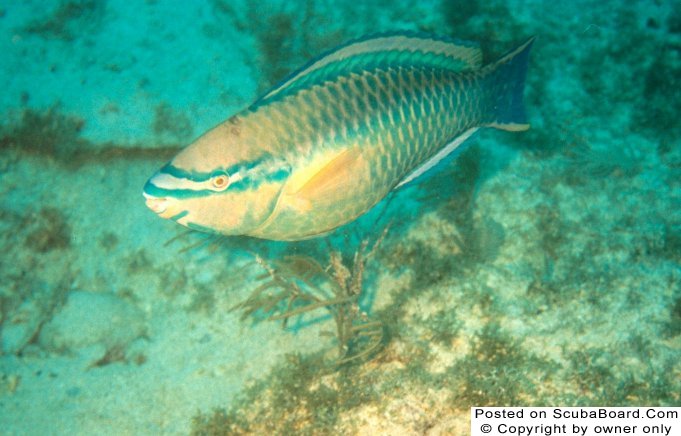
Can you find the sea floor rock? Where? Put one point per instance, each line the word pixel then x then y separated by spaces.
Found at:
pixel 20 327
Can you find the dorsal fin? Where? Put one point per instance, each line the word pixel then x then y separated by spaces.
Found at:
pixel 381 51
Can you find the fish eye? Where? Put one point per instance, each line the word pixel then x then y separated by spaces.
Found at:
pixel 220 181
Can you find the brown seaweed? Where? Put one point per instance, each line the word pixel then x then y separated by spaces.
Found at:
pixel 297 285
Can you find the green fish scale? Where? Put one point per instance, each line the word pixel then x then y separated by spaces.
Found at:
pixel 408 139
pixel 400 117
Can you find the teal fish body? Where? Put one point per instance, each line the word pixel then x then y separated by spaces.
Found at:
pixel 338 135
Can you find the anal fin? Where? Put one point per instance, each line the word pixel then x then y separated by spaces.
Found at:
pixel 433 161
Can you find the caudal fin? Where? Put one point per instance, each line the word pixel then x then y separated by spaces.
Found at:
pixel 506 81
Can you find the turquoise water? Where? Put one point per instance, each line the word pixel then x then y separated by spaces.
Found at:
pixel 535 268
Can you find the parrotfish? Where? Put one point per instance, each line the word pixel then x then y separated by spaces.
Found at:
pixel 338 135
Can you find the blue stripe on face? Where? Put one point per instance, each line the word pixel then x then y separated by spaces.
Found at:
pixel 199 176
pixel 280 175
pixel 247 183
pixel 194 176
pixel 182 214
pixel 154 191
pixel 200 228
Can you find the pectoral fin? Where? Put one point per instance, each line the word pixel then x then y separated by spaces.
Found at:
pixel 324 181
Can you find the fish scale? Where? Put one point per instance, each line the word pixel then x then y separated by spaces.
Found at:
pixel 338 135
pixel 395 105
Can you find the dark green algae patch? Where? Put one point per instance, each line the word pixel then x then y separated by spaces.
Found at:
pixel 55 135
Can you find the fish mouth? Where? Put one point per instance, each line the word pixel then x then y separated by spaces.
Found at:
pixel 157 204
pixel 157 199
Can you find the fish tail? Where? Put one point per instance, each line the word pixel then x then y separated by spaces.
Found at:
pixel 505 80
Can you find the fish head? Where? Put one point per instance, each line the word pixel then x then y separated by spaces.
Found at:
pixel 222 183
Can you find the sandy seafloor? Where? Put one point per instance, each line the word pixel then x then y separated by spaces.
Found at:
pixel 539 268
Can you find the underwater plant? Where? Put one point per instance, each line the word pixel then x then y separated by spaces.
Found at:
pixel 602 160
pixel 297 285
